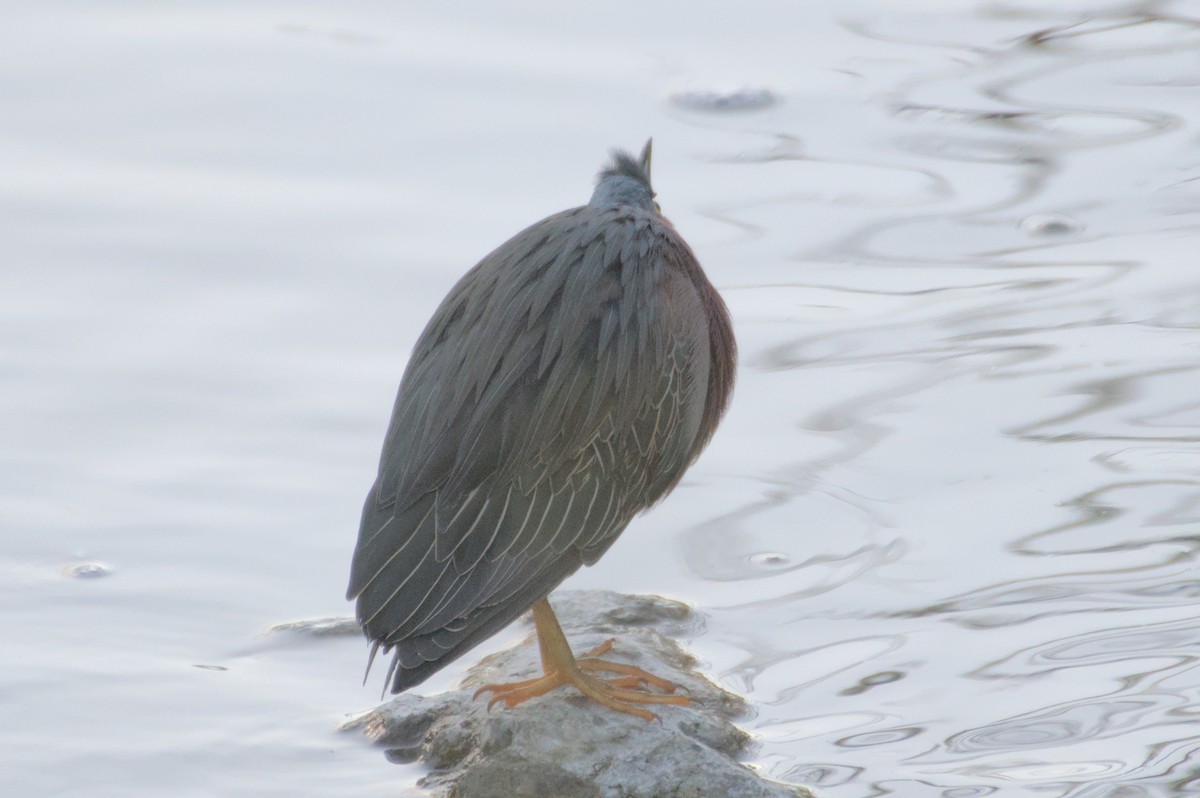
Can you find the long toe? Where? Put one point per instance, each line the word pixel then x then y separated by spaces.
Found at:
pixel 645 677
pixel 617 697
pixel 514 693
pixel 621 694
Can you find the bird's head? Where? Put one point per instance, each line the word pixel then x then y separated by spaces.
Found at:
pixel 626 181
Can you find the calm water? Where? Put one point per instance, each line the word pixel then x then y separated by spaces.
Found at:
pixel 947 536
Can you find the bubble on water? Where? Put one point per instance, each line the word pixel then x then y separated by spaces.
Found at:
pixel 87 570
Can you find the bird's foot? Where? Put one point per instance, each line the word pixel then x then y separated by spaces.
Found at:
pixel 620 694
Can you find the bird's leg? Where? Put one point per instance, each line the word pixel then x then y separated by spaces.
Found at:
pixel 561 667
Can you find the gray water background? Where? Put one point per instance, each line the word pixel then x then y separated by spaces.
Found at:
pixel 946 536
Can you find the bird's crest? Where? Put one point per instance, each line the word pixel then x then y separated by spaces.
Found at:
pixel 623 163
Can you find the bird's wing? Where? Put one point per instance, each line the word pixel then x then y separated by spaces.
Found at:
pixel 538 414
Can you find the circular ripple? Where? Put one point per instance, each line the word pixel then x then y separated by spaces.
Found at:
pixel 726 100
pixel 875 679
pixel 882 737
pixel 1050 224
pixel 770 559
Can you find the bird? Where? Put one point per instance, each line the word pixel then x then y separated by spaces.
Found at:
pixel 564 385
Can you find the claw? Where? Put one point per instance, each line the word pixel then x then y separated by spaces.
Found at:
pixel 621 694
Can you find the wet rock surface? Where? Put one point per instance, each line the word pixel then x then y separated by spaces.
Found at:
pixel 563 745
pixel 319 627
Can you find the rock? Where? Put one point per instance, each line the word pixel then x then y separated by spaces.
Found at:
pixel 565 746
pixel 319 627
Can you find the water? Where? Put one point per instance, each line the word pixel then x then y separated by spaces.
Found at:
pixel 946 536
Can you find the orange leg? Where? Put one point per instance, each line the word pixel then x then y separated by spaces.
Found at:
pixel 560 667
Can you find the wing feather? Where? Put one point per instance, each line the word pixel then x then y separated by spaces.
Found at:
pixel 551 397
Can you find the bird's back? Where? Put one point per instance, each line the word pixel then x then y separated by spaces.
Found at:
pixel 564 385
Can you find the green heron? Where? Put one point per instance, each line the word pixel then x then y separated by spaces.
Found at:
pixel 564 385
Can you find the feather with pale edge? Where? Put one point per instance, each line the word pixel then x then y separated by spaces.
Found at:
pixel 563 385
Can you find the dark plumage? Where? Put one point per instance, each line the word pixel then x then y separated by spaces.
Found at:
pixel 564 385
pixel 622 163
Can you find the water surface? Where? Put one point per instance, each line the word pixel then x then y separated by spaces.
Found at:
pixel 946 536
